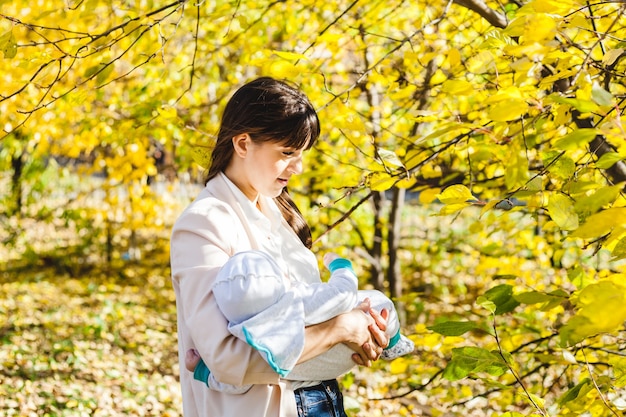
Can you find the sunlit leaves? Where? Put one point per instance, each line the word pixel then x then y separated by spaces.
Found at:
pixel 608 160
pixel 455 198
pixel 600 307
pixel 601 223
pixel 576 139
pixel 508 104
pixel 8 46
pixel 561 210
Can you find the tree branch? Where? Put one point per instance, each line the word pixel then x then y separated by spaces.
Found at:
pixel 493 17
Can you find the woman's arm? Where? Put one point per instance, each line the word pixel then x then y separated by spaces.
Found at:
pixel 363 333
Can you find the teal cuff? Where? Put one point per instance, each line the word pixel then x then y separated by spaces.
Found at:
pixel 201 372
pixel 394 340
pixel 339 263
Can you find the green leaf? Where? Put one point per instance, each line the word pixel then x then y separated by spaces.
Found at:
pixel 600 95
pixel 607 160
pixel 573 392
pixel 453 328
pixel 548 300
pixel 486 304
pixel 583 106
pixel 619 251
pixel 559 164
pixel 579 278
pixel 576 139
pixel 502 297
pixel 470 360
pixel 603 196
pixel 561 210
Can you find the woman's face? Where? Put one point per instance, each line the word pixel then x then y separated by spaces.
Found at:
pixel 268 167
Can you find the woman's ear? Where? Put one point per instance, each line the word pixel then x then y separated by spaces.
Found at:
pixel 241 143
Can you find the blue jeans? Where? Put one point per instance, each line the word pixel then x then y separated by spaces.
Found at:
pixel 322 400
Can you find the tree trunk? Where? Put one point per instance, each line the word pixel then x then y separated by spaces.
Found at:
pixel 394 274
pixel 17 163
pixel 377 277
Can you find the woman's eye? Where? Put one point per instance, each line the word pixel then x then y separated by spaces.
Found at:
pixel 288 153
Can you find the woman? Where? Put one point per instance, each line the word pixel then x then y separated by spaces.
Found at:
pixel 265 128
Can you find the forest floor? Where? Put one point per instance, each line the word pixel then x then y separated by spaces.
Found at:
pixel 104 344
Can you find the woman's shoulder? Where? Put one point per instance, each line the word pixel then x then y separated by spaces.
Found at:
pixel 209 207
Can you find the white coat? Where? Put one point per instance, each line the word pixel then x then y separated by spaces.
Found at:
pixel 219 223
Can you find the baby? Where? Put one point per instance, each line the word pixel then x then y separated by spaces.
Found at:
pixel 270 312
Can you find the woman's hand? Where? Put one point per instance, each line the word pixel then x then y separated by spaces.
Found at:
pixel 366 332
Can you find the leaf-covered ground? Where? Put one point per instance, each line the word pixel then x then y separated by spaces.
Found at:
pixel 100 345
pixel 103 344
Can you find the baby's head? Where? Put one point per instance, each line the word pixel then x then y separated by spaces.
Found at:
pixel 248 283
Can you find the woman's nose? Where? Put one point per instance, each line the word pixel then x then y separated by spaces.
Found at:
pixel 296 166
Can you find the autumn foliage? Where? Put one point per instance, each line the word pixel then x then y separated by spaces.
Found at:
pixel 472 165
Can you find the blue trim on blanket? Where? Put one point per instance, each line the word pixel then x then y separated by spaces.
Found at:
pixel 270 356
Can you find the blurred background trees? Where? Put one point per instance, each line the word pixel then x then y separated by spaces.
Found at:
pixel 471 164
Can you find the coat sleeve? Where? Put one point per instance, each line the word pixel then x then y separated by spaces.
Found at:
pixel 203 239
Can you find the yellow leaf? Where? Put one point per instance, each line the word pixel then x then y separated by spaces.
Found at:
pixel 399 366
pixel 388 158
pixel 601 223
pixel 507 104
pixel 611 55
pixel 452 208
pixel 539 27
pixel 429 195
pixel 576 139
pixel 488 207
pixel 458 87
pixel 283 69
pixel 553 6
pixel 168 112
pixel 601 308
pixel 406 183
pixel 481 63
pixel 201 156
pixel 506 110
pixel 381 181
pixel 562 212
pixel 290 56
pixel 8 45
pixel 454 57
pixel 456 194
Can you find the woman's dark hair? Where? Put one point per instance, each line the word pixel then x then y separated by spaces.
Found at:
pixel 268 110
